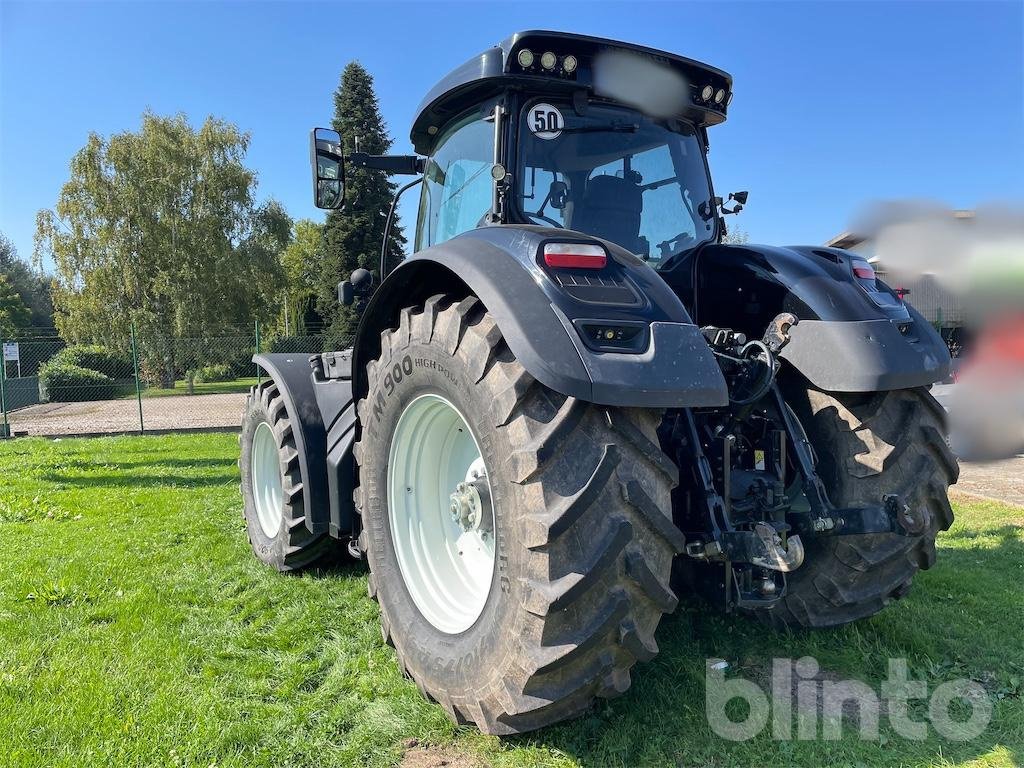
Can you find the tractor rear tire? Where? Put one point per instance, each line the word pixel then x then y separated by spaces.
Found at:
pixel 583 536
pixel 868 446
pixel 272 491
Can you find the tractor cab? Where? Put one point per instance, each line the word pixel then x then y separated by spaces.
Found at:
pixel 573 133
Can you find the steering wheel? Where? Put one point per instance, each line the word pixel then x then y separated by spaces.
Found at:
pixel 548 219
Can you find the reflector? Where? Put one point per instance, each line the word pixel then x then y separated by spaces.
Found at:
pixel 574 256
pixel 863 270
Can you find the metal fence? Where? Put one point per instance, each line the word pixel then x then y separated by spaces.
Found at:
pixel 137 382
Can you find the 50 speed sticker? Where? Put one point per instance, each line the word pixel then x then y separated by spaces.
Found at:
pixel 545 121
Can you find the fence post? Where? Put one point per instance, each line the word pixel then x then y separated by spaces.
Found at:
pixel 258 376
pixel 138 381
pixel 5 429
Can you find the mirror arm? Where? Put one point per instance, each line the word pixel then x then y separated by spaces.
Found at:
pixel 396 165
pixel 387 225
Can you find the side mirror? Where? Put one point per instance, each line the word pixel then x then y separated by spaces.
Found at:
pixel 740 198
pixel 362 281
pixel 325 155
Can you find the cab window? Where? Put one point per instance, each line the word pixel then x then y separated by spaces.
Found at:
pixel 617 174
pixel 457 185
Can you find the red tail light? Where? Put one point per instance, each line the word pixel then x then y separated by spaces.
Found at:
pixel 575 256
pixel 862 270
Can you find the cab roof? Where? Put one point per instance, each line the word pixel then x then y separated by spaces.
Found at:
pixel 498 68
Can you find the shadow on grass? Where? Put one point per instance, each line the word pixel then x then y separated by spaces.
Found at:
pixel 130 481
pixel 191 463
pixel 662 718
pixel 338 564
pixel 96 473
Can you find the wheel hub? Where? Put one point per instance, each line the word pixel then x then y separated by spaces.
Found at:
pixel 471 501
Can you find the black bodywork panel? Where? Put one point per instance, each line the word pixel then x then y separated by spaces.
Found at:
pixel 497 69
pixel 868 355
pixel 845 342
pixel 544 318
pixel 323 420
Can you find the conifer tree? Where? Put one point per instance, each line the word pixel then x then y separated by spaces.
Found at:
pixel 353 236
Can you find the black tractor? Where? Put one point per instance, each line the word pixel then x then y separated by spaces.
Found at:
pixel 574 404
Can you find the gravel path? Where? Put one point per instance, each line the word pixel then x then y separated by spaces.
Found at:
pixel 999 480
pixel 1002 480
pixel 106 416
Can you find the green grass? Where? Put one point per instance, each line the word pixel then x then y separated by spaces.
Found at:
pixel 200 388
pixel 136 630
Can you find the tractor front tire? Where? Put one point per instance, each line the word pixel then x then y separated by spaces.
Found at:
pixel 869 446
pixel 272 491
pixel 580 505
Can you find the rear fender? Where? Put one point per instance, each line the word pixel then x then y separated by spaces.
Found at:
pixel 317 407
pixel 845 342
pixel 541 321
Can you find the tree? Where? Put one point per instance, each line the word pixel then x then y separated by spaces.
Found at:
pixel 301 262
pixel 159 228
pixel 32 288
pixel 353 238
pixel 736 236
pixel 13 312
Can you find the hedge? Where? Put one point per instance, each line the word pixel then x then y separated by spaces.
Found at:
pixel 64 383
pixel 96 358
pixel 218 372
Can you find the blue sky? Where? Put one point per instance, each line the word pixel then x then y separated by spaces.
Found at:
pixel 836 103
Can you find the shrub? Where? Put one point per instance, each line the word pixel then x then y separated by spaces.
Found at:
pixel 240 361
pixel 96 358
pixel 65 383
pixel 218 372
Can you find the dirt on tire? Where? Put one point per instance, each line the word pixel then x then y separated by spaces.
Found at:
pixel 583 529
pixel 294 546
pixel 868 446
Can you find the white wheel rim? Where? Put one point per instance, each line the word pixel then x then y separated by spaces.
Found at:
pixel 267 484
pixel 446 559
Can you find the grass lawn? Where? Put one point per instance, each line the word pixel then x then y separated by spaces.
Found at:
pixel 200 388
pixel 137 630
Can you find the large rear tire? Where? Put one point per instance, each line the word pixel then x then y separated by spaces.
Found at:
pixel 580 505
pixel 272 490
pixel 868 446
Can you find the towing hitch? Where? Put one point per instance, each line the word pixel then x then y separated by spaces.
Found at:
pixel 764 548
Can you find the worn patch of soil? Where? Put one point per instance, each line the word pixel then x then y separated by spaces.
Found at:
pixel 801 690
pixel 427 756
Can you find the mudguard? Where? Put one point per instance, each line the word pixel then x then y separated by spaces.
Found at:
pixel 323 422
pixel 868 355
pixel 845 341
pixel 544 317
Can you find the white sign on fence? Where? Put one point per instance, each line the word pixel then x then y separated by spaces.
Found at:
pixel 12 354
